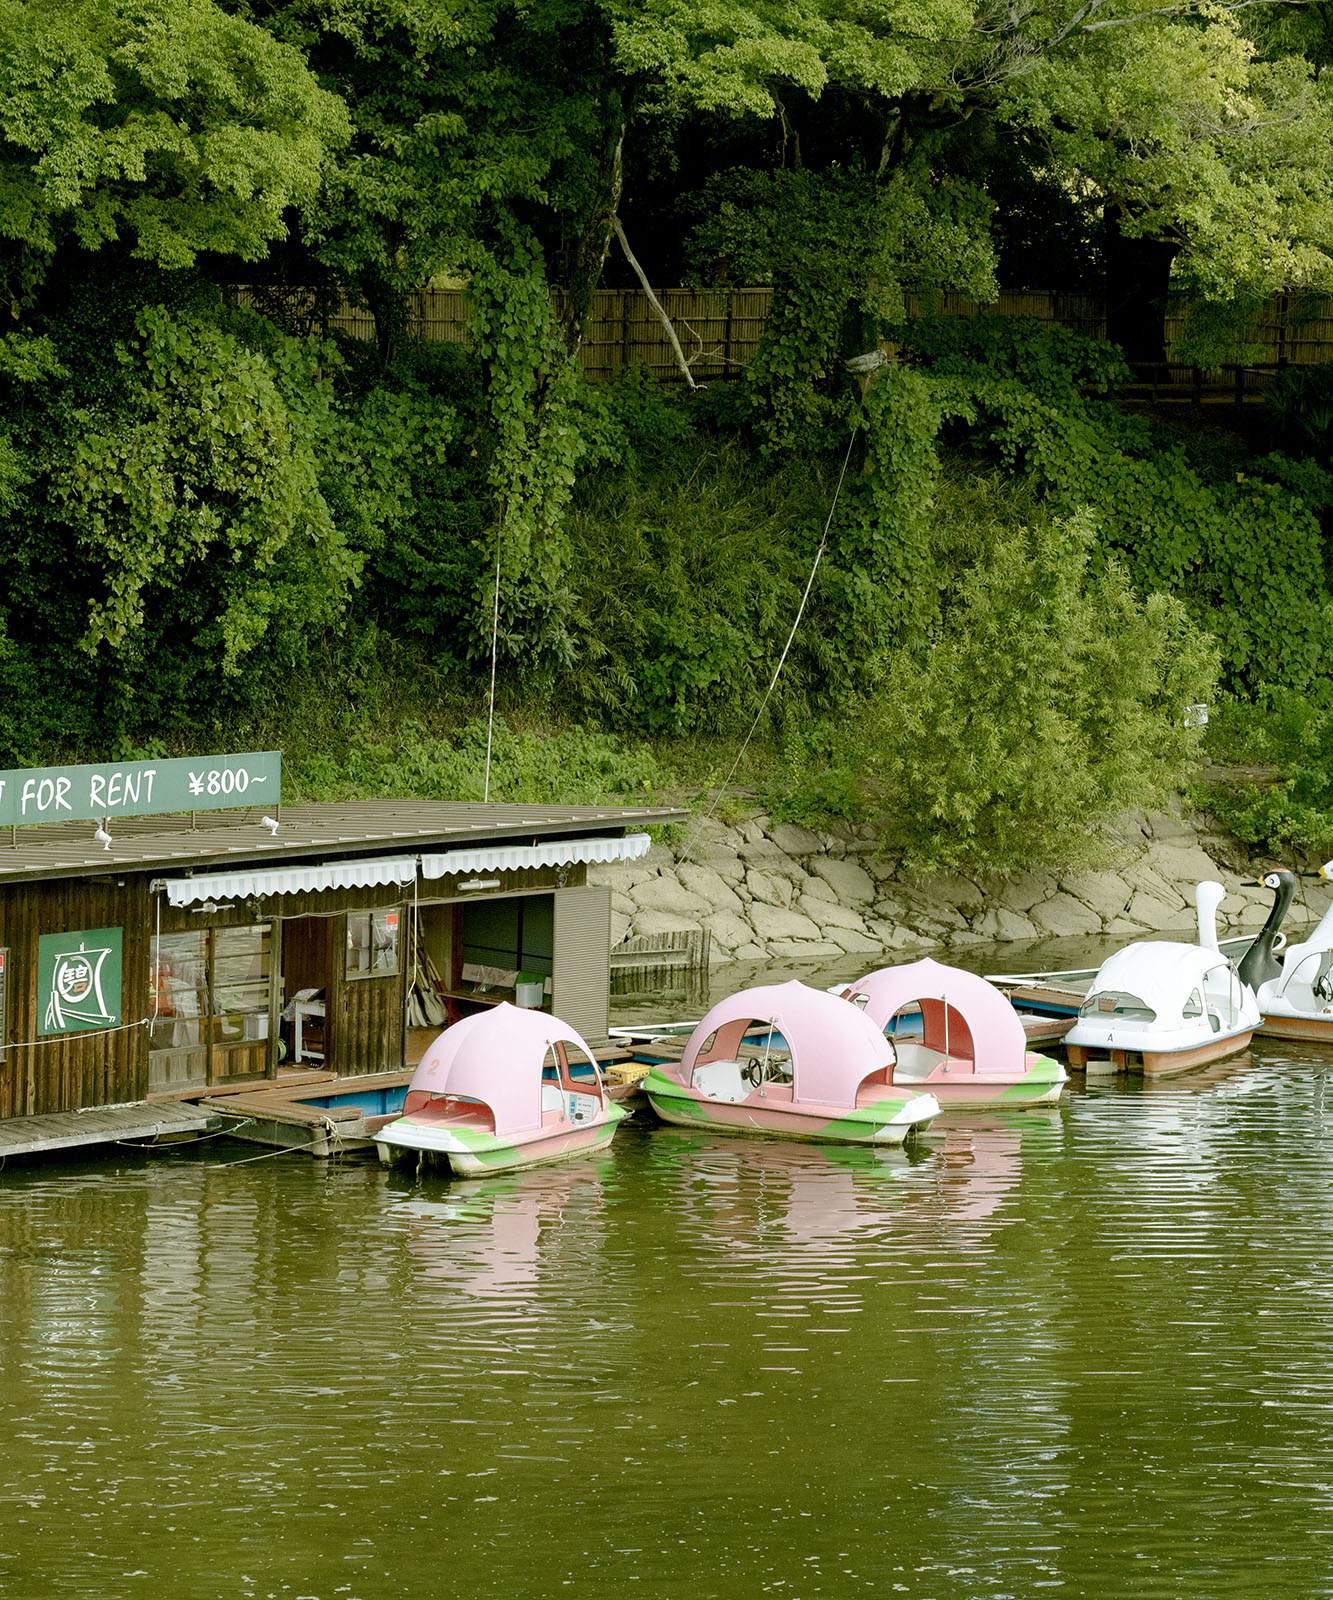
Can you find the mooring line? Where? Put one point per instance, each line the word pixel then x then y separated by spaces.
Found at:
pixel 782 659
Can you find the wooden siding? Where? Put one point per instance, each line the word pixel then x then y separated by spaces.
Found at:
pixel 63 1072
pixel 580 982
pixel 366 1022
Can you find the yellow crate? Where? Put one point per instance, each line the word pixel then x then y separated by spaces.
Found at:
pixel 625 1071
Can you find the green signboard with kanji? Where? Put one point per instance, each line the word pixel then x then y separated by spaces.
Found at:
pixel 140 788
pixel 78 980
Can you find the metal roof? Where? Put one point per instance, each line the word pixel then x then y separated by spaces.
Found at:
pixel 307 832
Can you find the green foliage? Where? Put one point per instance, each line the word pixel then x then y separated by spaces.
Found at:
pixel 166 122
pixel 1272 781
pixel 571 766
pixel 1299 411
pixel 818 781
pixel 1190 137
pixel 842 250
pixel 1246 554
pixel 1049 701
pixel 689 571
pixel 533 446
pixel 208 478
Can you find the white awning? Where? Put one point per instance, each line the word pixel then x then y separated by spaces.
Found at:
pixel 557 853
pixel 290 880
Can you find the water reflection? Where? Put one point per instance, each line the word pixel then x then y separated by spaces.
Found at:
pixel 1082 1349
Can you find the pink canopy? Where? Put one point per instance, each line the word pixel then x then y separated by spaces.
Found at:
pixel 833 1047
pixel 970 1008
pixel 496 1057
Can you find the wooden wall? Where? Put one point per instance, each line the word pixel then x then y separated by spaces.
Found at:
pixel 65 1071
pixel 365 1015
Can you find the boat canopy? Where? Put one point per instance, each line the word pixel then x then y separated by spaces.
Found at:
pixel 497 1057
pixel 957 1009
pixel 834 1047
pixel 1160 973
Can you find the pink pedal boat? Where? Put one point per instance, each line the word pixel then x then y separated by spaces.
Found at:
pixel 790 1062
pixel 972 1052
pixel 503 1089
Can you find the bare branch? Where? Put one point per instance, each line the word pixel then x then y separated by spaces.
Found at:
pixel 653 301
pixel 1188 9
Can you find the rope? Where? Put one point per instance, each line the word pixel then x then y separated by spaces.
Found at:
pixel 221 1166
pixel 495 636
pixel 782 659
pixel 152 1144
pixel 64 1038
pixel 331 1131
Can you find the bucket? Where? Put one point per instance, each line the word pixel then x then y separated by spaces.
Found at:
pixel 529 991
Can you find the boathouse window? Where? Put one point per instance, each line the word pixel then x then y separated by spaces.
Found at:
pixel 180 991
pixel 209 1006
pixel 372 943
pixel 506 937
pixel 242 981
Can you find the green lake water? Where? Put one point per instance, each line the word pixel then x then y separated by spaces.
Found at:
pixel 1085 1351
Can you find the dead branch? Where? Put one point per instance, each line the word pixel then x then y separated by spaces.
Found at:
pixel 653 301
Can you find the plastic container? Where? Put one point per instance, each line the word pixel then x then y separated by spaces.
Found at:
pixel 529 990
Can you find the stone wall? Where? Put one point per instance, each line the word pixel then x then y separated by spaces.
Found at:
pixel 772 891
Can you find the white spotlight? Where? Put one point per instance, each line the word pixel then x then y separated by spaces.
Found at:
pixel 102 836
pixel 271 823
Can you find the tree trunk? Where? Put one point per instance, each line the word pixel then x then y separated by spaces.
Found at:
pixel 588 257
pixel 388 307
pixel 1138 286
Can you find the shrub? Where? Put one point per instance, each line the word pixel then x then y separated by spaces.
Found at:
pixel 1050 700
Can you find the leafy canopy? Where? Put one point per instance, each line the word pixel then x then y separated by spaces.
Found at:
pixel 164 123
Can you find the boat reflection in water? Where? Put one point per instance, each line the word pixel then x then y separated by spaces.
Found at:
pixel 493 1240
pixel 796 1197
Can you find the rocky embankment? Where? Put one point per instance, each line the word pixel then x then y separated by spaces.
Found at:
pixel 772 891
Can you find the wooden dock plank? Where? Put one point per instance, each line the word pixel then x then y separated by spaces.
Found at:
pixel 276 1107
pixel 71 1130
pixel 283 1081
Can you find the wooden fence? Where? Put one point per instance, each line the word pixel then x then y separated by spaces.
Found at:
pixel 719 331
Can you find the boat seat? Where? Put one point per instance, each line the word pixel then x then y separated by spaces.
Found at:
pixel 913 1061
pixel 553 1098
pixel 722 1080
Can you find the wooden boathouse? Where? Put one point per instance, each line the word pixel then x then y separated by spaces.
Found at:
pixel 145 954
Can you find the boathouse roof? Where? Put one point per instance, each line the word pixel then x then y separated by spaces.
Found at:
pixel 328 832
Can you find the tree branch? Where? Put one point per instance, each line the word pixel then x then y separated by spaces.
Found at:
pixel 653 301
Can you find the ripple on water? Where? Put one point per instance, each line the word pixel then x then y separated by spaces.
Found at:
pixel 1085 1350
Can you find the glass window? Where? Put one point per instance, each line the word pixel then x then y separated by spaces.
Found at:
pixel 179 1000
pixel 372 943
pixel 506 937
pixel 242 983
pixel 1106 1004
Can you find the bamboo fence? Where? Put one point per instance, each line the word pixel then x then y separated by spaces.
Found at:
pixel 719 331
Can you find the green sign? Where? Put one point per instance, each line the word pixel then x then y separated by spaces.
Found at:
pixel 78 981
pixel 139 788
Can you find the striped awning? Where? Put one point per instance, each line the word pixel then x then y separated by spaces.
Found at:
pixel 290 880
pixel 555 853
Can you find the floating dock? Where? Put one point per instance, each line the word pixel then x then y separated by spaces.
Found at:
pixel 134 1124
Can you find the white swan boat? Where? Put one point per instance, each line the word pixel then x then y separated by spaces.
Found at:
pixel 1161 1007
